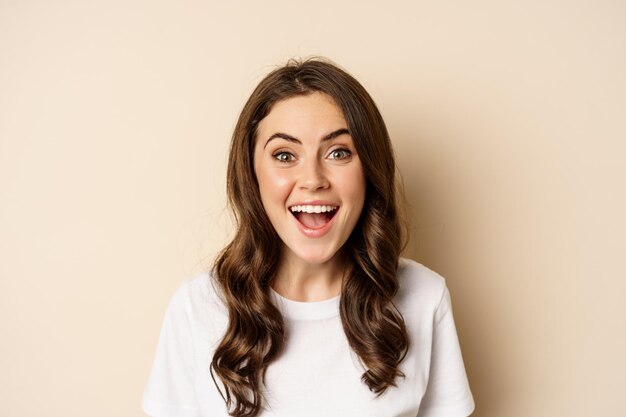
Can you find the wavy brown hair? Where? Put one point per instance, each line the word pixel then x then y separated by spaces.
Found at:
pixel 244 269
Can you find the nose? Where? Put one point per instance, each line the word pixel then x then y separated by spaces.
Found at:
pixel 312 176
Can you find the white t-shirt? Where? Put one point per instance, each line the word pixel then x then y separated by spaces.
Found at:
pixel 317 374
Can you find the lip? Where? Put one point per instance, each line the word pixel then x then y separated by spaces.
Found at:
pixel 315 233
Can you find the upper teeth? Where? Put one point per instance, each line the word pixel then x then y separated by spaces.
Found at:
pixel 313 209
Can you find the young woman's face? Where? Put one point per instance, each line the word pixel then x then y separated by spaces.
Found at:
pixel 310 177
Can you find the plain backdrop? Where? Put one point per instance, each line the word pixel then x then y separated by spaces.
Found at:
pixel 507 118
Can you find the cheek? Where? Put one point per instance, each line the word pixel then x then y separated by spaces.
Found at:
pixel 354 185
pixel 274 185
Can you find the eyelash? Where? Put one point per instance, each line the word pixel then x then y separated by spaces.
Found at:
pixel 281 153
pixel 346 151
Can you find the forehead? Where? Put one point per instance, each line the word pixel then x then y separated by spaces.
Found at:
pixel 312 114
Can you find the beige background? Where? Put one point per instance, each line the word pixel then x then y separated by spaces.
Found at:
pixel 508 118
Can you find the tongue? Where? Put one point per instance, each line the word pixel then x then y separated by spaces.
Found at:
pixel 313 220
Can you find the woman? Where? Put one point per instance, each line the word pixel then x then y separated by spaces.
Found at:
pixel 310 310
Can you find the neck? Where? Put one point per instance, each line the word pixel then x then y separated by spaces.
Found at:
pixel 299 280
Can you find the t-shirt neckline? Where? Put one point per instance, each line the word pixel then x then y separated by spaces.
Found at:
pixel 306 310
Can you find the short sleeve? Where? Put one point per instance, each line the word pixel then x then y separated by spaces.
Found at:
pixel 448 393
pixel 170 389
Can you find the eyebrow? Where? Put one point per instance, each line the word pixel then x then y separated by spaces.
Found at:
pixel 290 138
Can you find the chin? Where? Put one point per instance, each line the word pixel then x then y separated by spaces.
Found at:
pixel 314 257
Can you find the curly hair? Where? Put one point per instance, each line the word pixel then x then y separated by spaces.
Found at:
pixel 244 269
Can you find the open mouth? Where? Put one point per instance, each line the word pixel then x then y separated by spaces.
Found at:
pixel 314 217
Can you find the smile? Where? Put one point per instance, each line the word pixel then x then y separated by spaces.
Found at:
pixel 314 220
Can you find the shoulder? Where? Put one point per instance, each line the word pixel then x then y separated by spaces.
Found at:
pixel 420 288
pixel 202 290
pixel 197 298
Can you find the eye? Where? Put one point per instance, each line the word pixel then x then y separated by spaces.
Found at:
pixel 340 153
pixel 283 156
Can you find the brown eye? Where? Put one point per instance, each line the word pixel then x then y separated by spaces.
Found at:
pixel 283 156
pixel 340 153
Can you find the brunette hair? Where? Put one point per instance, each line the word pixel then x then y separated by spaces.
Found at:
pixel 244 269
